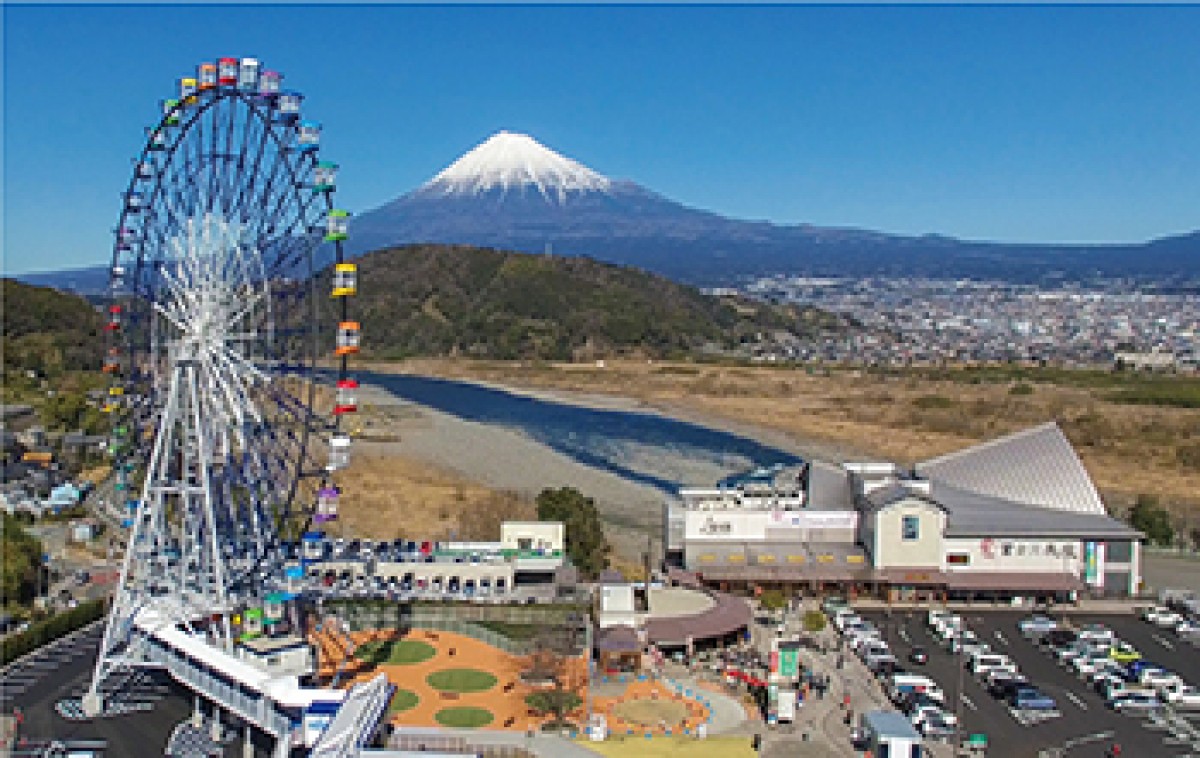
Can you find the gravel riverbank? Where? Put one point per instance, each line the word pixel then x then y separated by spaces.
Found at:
pixel 628 487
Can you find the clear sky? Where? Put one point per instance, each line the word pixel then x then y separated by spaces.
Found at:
pixel 1010 123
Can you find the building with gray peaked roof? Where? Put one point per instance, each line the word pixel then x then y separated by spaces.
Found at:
pixel 1015 517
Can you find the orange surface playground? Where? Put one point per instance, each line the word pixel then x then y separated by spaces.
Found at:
pixel 504 700
pixel 489 680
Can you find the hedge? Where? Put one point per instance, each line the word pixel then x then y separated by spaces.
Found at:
pixel 49 629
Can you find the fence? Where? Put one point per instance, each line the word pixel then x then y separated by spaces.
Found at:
pixel 460 619
pixel 454 745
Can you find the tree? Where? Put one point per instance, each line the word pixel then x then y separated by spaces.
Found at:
pixel 22 559
pixel 586 545
pixel 558 702
pixel 814 621
pixel 548 665
pixel 1151 519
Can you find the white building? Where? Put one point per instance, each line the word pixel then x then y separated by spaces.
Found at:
pixel 1014 517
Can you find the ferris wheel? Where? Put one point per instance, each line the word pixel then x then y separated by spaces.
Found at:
pixel 228 357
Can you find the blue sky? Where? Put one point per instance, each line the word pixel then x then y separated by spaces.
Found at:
pixel 1010 123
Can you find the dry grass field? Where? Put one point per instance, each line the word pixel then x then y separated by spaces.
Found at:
pixel 1130 449
pixel 388 496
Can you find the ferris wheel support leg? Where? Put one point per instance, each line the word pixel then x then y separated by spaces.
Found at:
pixel 124 604
pixel 219 599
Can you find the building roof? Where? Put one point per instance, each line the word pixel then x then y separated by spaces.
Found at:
pixel 897 492
pixel 727 615
pixel 828 488
pixel 618 639
pixel 891 724
pixel 1036 466
pixel 973 514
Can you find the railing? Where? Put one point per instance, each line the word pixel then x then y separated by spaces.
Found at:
pixel 254 709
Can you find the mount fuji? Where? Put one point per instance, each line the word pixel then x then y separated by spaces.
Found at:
pixel 513 192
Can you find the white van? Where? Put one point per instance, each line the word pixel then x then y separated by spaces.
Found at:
pixel 985 663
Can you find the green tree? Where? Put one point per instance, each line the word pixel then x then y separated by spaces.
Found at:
pixel 559 702
pixel 814 621
pixel 772 600
pixel 21 557
pixel 587 546
pixel 1151 519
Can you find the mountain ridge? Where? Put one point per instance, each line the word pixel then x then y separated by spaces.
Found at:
pixel 625 223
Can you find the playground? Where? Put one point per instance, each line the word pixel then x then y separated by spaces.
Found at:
pixel 449 679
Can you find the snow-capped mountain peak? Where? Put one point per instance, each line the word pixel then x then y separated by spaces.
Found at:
pixel 509 161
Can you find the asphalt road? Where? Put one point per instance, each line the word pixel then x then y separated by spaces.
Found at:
pixel 1085 717
pixel 63 669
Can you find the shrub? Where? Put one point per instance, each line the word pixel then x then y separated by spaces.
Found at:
pixel 814 621
pixel 1148 517
pixel 1021 388
pixel 772 600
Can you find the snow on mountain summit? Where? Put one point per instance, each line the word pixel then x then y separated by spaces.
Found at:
pixel 510 161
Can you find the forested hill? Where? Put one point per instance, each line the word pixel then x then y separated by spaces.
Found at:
pixel 454 299
pixel 49 331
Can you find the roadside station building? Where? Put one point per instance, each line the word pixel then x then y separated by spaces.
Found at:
pixel 1012 519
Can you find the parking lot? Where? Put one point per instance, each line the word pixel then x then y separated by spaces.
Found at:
pixel 1086 726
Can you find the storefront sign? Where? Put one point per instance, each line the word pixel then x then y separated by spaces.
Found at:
pixel 789 662
pixel 1093 564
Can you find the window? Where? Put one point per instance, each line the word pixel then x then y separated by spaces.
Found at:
pixel 524 543
pixel 958 559
pixel 910 528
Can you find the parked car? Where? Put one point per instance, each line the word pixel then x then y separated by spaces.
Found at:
pixel 1161 616
pixel 1188 629
pixel 985 663
pixel 1130 702
pixel 1180 695
pixel 1003 685
pixel 1097 633
pixel 1057 638
pixel 1036 626
pixel 937 726
pixel 1123 652
pixel 1027 698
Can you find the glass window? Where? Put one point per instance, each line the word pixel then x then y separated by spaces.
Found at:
pixel 958 559
pixel 1006 549
pixel 910 528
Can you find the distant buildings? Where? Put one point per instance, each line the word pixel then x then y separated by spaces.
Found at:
pixel 1013 518
pixel 912 321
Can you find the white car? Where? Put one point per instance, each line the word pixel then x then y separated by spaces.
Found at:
pixel 1087 665
pixel 1036 625
pixel 1168 620
pixel 1188 628
pixel 1181 695
pixel 1134 701
pixel 1159 678
pixel 923 712
pixel 1097 633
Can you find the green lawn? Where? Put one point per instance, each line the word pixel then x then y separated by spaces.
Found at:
pixel 464 716
pixel 402 701
pixel 461 680
pixel 395 652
